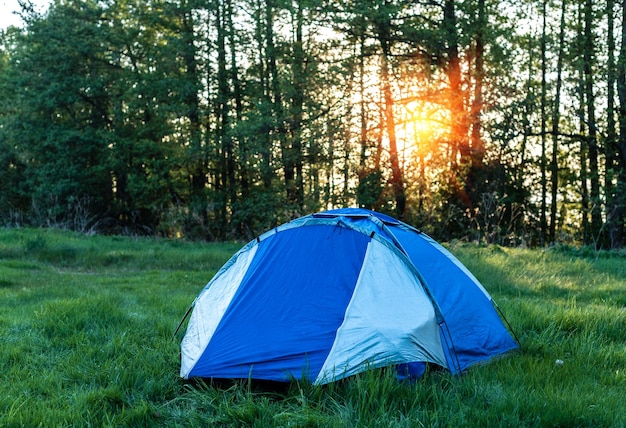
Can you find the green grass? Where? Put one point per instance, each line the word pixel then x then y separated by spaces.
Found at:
pixel 86 329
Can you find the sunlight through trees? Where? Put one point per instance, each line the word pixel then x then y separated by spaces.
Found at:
pixel 491 121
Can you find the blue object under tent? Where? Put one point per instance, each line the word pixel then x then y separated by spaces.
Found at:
pixel 329 295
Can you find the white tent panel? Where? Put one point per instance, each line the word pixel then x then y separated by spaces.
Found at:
pixel 390 320
pixel 209 308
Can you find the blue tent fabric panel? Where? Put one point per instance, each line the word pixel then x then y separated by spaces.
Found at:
pixel 283 319
pixel 211 305
pixel 476 330
pixel 410 371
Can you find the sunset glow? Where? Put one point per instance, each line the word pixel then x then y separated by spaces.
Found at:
pixel 423 125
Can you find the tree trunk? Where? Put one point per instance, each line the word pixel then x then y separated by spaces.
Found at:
pixel 244 173
pixel 584 182
pixel 277 101
pixel 592 140
pixel 477 146
pixel 197 149
pixel 544 180
pixel 620 202
pixel 521 167
pixel 297 110
pixel 461 160
pixel 610 145
pixel 264 47
pixel 554 165
pixel 363 141
pixel 397 177
pixel 226 166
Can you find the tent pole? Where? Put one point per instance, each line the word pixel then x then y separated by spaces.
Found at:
pixel 495 305
pixel 183 320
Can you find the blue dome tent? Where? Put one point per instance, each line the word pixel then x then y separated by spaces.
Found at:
pixel 332 294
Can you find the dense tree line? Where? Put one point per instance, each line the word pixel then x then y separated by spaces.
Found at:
pixel 486 120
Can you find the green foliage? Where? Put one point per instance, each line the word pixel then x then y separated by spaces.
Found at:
pixel 86 118
pixel 87 326
pixel 213 120
pixel 370 190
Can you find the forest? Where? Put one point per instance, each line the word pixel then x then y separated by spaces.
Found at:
pixel 491 121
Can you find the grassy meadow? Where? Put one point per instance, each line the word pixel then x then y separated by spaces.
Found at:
pixel 86 326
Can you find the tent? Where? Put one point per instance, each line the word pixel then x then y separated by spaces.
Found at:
pixel 332 294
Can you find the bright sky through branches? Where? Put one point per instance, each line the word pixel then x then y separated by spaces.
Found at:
pixel 8 9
